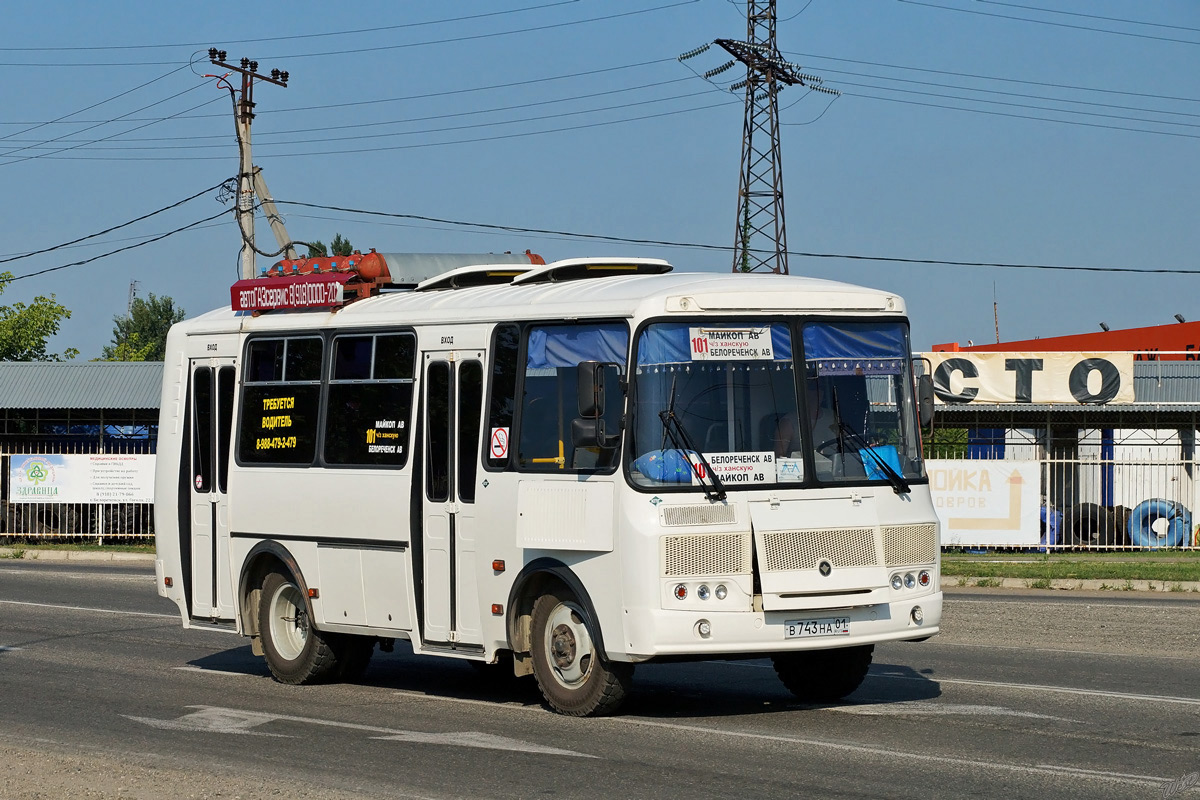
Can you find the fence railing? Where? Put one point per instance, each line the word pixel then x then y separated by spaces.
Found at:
pixel 71 522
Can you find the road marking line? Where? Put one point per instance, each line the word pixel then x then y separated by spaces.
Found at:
pixel 207 671
pixel 943 643
pixel 1032 769
pixel 214 719
pixel 887 708
pixel 7 649
pixel 85 608
pixel 1033 687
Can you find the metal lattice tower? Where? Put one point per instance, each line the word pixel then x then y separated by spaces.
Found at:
pixel 760 242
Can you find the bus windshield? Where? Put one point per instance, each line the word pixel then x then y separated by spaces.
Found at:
pixel 761 406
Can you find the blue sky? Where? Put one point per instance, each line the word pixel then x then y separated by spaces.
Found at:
pixel 575 116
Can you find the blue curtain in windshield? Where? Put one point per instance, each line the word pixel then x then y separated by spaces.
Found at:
pixel 667 343
pixel 867 348
pixel 567 345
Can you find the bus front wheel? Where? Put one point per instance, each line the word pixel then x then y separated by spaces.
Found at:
pixel 573 675
pixel 296 652
pixel 824 676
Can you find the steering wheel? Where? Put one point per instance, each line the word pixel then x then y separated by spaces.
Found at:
pixel 831 445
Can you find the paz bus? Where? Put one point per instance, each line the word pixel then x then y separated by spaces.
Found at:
pixel 567 468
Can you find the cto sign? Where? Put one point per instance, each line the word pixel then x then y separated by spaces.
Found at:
pixel 1044 378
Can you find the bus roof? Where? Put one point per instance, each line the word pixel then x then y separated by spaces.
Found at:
pixel 634 295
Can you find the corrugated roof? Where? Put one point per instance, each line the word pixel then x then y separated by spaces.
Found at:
pixel 94 384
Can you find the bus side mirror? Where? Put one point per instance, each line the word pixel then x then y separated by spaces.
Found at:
pixel 591 382
pixel 925 399
pixel 588 433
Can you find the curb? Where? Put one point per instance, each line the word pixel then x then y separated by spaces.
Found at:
pixel 95 556
pixel 1071 584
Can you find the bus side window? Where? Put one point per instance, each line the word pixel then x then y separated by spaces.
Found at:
pixel 503 398
pixel 280 400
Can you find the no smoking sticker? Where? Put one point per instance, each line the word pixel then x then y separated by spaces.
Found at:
pixel 499 443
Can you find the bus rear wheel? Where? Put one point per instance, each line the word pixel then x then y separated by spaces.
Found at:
pixel 824 676
pixel 573 675
pixel 296 652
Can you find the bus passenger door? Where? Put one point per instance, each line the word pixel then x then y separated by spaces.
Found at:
pixel 453 408
pixel 212 394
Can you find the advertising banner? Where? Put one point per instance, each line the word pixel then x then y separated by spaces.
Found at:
pixel 93 478
pixel 1052 378
pixel 986 503
pixel 299 291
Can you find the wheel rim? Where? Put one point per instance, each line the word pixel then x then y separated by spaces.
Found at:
pixel 289 622
pixel 568 645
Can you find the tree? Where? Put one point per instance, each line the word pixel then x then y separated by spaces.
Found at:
pixel 24 329
pixel 317 250
pixel 142 335
pixel 340 246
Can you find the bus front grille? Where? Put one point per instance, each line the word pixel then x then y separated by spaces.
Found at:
pixel 784 551
pixel 706 555
pixel 904 545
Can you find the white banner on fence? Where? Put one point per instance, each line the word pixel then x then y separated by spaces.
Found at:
pixel 986 502
pixel 94 478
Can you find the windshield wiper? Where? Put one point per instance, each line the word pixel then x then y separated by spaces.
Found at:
pixel 673 429
pixel 899 484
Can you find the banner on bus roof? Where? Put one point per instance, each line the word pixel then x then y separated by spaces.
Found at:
pixel 295 291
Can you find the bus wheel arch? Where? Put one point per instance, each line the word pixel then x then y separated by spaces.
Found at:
pixel 265 557
pixel 555 634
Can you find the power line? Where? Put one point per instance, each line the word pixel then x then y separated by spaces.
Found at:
pixel 724 248
pixel 414 146
pixel 994 78
pixel 195 224
pixel 406 98
pixel 52 248
pixel 292 37
pixel 1090 16
pixel 1048 22
pixel 360 50
pixel 470 126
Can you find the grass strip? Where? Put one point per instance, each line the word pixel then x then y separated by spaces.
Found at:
pixel 1167 570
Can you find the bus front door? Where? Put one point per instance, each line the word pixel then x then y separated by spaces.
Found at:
pixel 453 408
pixel 211 412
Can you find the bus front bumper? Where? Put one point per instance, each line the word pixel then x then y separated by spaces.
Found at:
pixel 659 633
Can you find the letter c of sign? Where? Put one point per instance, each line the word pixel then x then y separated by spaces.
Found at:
pixel 1110 381
pixel 941 380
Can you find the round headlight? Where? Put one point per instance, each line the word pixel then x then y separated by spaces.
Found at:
pixel 722 592
pixel 910 580
pixel 681 591
pixel 897 582
pixel 702 592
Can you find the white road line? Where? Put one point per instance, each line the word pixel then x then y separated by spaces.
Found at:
pixel 1086 603
pixel 942 643
pixel 6 649
pixel 103 576
pixel 845 747
pixel 219 672
pixel 85 608
pixel 1033 687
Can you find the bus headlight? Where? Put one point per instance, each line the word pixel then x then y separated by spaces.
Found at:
pixel 722 591
pixel 703 591
pixel 910 580
pixel 897 582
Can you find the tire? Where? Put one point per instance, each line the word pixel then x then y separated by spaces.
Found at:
pixel 824 676
pixel 1087 524
pixel 574 677
pixel 296 652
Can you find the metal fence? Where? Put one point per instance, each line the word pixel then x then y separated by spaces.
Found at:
pixel 72 522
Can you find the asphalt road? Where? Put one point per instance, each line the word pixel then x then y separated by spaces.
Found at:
pixel 102 694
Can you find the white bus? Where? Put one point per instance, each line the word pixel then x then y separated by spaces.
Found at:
pixel 573 468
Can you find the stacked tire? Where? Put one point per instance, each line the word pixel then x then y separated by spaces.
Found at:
pixel 1094 525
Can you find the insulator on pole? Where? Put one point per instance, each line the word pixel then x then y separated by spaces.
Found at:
pixel 739 85
pixel 693 53
pixel 712 73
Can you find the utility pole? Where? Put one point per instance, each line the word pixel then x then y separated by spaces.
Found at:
pixel 248 176
pixel 760 241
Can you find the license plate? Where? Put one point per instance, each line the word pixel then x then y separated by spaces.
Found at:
pixel 825 626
